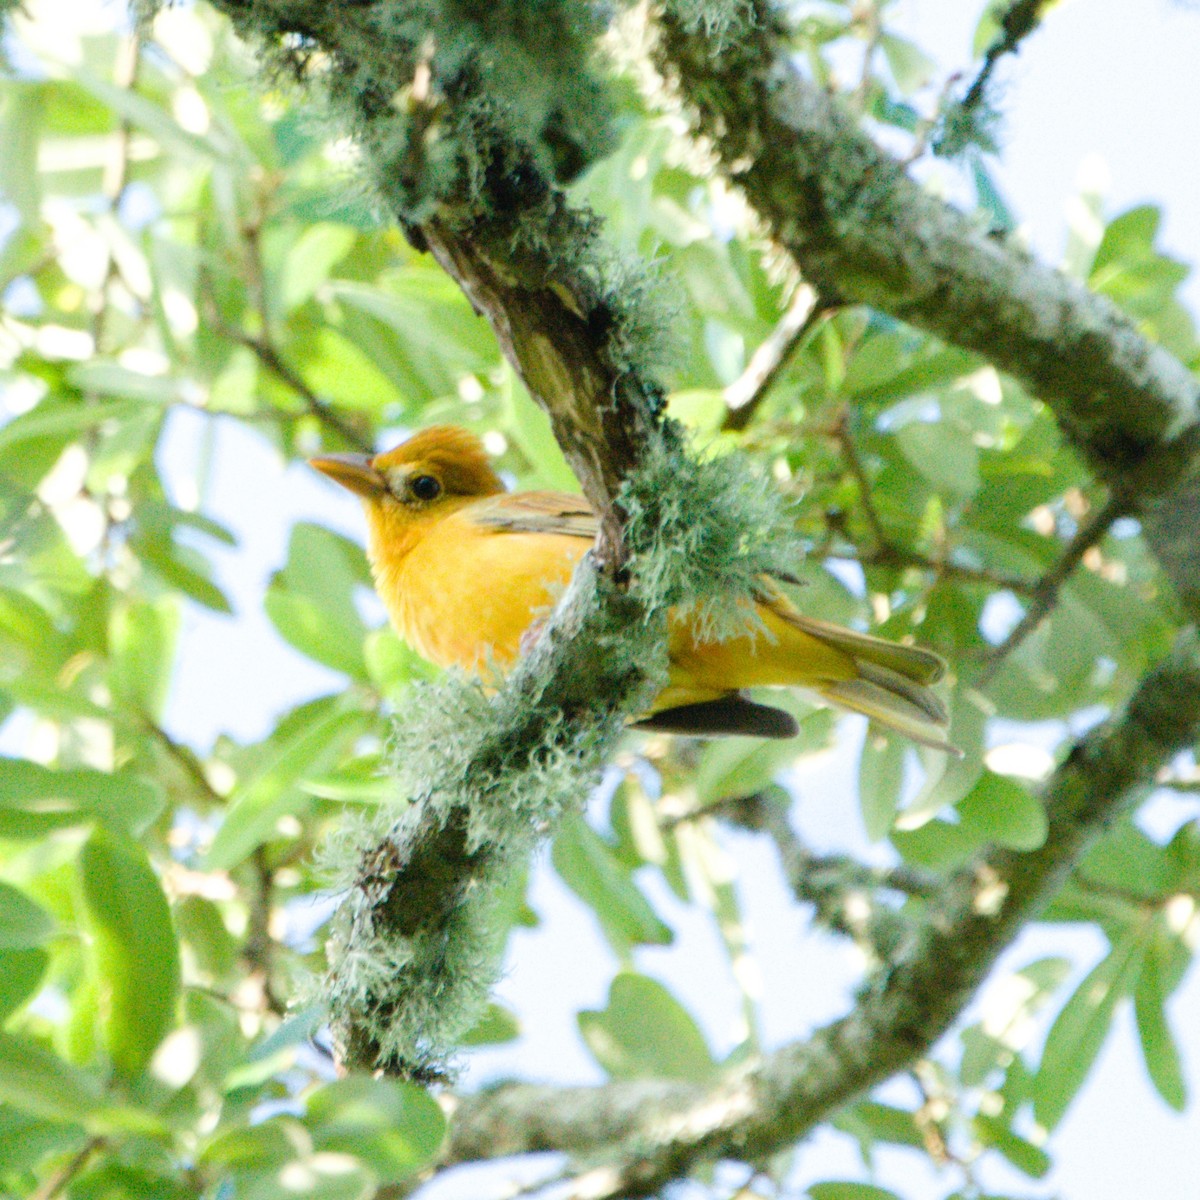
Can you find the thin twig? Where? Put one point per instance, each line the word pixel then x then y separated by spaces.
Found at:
pixel 746 393
pixel 844 892
pixel 1045 595
pixel 898 556
pixel 269 357
pixel 1018 21
pixel 840 432
pixel 185 757
pixel 68 1171
pixel 266 353
pixel 930 1124
pixel 259 947
pixel 1179 785
pixel 115 174
pixel 874 36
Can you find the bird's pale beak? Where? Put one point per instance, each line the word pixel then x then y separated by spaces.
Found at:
pixel 353 471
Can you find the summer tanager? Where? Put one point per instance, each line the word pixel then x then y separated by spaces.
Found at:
pixel 465 569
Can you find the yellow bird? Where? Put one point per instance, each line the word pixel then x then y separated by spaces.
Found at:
pixel 466 570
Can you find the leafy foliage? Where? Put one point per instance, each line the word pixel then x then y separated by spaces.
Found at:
pixel 195 271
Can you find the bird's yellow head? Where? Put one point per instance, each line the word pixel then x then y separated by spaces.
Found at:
pixel 438 464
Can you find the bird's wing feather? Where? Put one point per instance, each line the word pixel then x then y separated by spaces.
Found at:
pixel 537 512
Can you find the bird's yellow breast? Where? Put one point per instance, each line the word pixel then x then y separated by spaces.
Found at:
pixel 463 595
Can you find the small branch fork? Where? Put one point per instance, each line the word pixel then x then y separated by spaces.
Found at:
pixel 845 893
pixel 745 395
pixel 268 355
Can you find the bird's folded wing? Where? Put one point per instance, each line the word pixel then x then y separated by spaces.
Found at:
pixel 537 512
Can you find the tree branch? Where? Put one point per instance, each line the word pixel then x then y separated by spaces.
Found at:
pixel 1019 19
pixel 859 229
pixel 845 893
pixel 654 1131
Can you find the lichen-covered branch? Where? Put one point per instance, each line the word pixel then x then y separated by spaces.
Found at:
pixel 862 231
pixel 653 1132
pixel 468 121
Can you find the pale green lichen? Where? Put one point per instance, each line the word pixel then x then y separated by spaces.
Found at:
pixel 713 527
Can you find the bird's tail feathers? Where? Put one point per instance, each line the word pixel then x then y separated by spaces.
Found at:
pixel 893 684
pixel 895 702
pixel 911 662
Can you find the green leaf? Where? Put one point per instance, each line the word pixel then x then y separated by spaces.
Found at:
pixel 1008 1009
pixel 421 331
pixel 739 766
pixel 497 1025
pixel 311 260
pixel 25 1139
pixel 849 1191
pixel 937 845
pixel 135 946
pixel 66 421
pixel 202 927
pixel 305 748
pixel 141 639
pixel 394 1128
pixel 183 569
pixel 999 809
pixel 991 200
pixel 21 974
pixel 123 801
pixel 20 135
pixel 943 453
pixel 37 1081
pixel 869 1122
pixel 646 1033
pixel 1159 1047
pixel 23 924
pixel 880 776
pixel 1128 860
pixel 1079 1031
pixel 311 601
pixel 104 378
pixel 911 67
pixel 151 118
pixel 1022 1153
pixel 257 1146
pixel 590 869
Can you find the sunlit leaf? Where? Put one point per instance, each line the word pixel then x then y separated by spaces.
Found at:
pixel 136 951
pixel 71 797
pixel 37 1081
pixel 1001 810
pixel 1080 1029
pixel 646 1033
pixel 395 1128
pixel 591 871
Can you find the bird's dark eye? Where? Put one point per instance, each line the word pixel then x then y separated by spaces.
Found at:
pixel 425 487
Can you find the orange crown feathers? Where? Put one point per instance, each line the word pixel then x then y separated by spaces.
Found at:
pixel 454 455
